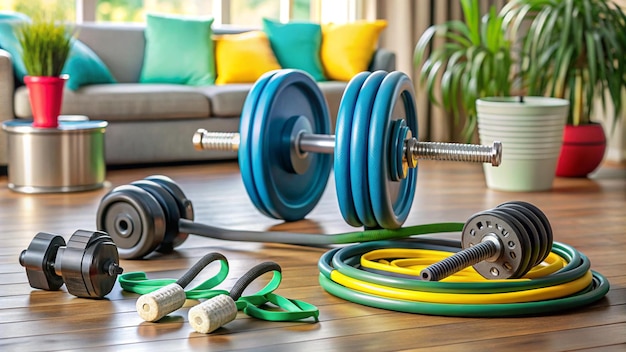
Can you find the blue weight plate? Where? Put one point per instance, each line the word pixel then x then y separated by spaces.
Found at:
pixel 391 200
pixel 398 132
pixel 286 194
pixel 358 149
pixel 343 134
pixel 245 145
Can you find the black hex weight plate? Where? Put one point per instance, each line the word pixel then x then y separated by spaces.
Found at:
pixel 38 260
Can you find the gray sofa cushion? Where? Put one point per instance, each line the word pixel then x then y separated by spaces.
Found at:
pixel 127 102
pixel 226 100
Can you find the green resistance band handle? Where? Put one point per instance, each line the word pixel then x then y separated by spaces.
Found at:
pixel 290 310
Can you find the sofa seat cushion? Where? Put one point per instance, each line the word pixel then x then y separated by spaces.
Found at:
pixel 127 102
pixel 226 100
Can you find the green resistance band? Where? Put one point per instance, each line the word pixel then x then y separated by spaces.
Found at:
pixel 343 275
pixel 253 305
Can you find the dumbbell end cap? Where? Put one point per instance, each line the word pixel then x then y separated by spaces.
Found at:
pixel 496 153
pixel 197 139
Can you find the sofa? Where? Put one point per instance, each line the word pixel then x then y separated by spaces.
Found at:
pixel 149 122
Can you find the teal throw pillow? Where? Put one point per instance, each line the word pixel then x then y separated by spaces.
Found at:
pixel 178 50
pixel 296 45
pixel 10 15
pixel 84 67
pixel 9 42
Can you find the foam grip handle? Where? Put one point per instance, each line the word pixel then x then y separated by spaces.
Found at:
pixel 157 304
pixel 212 314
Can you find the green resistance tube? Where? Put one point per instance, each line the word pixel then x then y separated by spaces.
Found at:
pixel 346 261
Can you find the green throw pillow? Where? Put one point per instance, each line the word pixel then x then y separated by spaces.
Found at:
pixel 179 50
pixel 85 67
pixel 296 45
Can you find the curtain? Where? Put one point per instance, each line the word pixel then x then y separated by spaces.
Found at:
pixel 407 20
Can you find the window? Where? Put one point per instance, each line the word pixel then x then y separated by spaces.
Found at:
pixel 239 12
pixel 60 9
pixel 135 10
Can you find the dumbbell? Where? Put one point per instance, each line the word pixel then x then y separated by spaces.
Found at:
pixel 88 264
pixel 500 243
pixel 154 214
pixel 284 147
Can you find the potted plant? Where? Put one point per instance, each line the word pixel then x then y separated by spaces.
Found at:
pixel 574 49
pixel 474 71
pixel 474 62
pixel 45 48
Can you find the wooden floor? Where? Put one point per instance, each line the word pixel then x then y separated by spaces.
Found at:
pixel 589 214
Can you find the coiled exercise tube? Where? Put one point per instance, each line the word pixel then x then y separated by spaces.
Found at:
pixel 385 274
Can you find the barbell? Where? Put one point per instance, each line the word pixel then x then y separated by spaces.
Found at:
pixel 284 147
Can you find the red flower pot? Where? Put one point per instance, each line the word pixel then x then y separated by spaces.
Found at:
pixel 46 96
pixel 582 151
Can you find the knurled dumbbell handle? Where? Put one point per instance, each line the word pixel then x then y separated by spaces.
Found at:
pixel 459 261
pixel 325 144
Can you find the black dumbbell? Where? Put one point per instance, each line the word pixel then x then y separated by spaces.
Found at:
pixel 500 243
pixel 88 264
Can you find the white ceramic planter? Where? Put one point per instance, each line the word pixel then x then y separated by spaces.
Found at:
pixel 531 133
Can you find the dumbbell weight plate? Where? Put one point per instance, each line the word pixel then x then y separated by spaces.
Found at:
pixel 185 207
pixel 359 149
pixel 533 225
pixel 518 234
pixel 399 132
pixel 245 144
pixel 549 237
pixel 514 257
pixel 84 264
pixel 284 193
pixel 38 259
pixel 343 132
pixel 134 219
pixel 391 199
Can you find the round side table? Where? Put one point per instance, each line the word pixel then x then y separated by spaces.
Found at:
pixel 68 158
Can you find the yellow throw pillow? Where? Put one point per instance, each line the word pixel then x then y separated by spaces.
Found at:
pixel 347 49
pixel 243 57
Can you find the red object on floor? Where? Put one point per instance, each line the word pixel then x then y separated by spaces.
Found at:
pixel 582 151
pixel 46 96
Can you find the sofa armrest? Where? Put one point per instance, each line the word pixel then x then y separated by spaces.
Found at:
pixel 383 59
pixel 7 86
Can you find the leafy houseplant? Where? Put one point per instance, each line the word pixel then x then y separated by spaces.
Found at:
pixel 45 49
pixel 474 62
pixel 574 49
pixel 475 70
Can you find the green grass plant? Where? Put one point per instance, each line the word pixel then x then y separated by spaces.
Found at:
pixel 45 46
